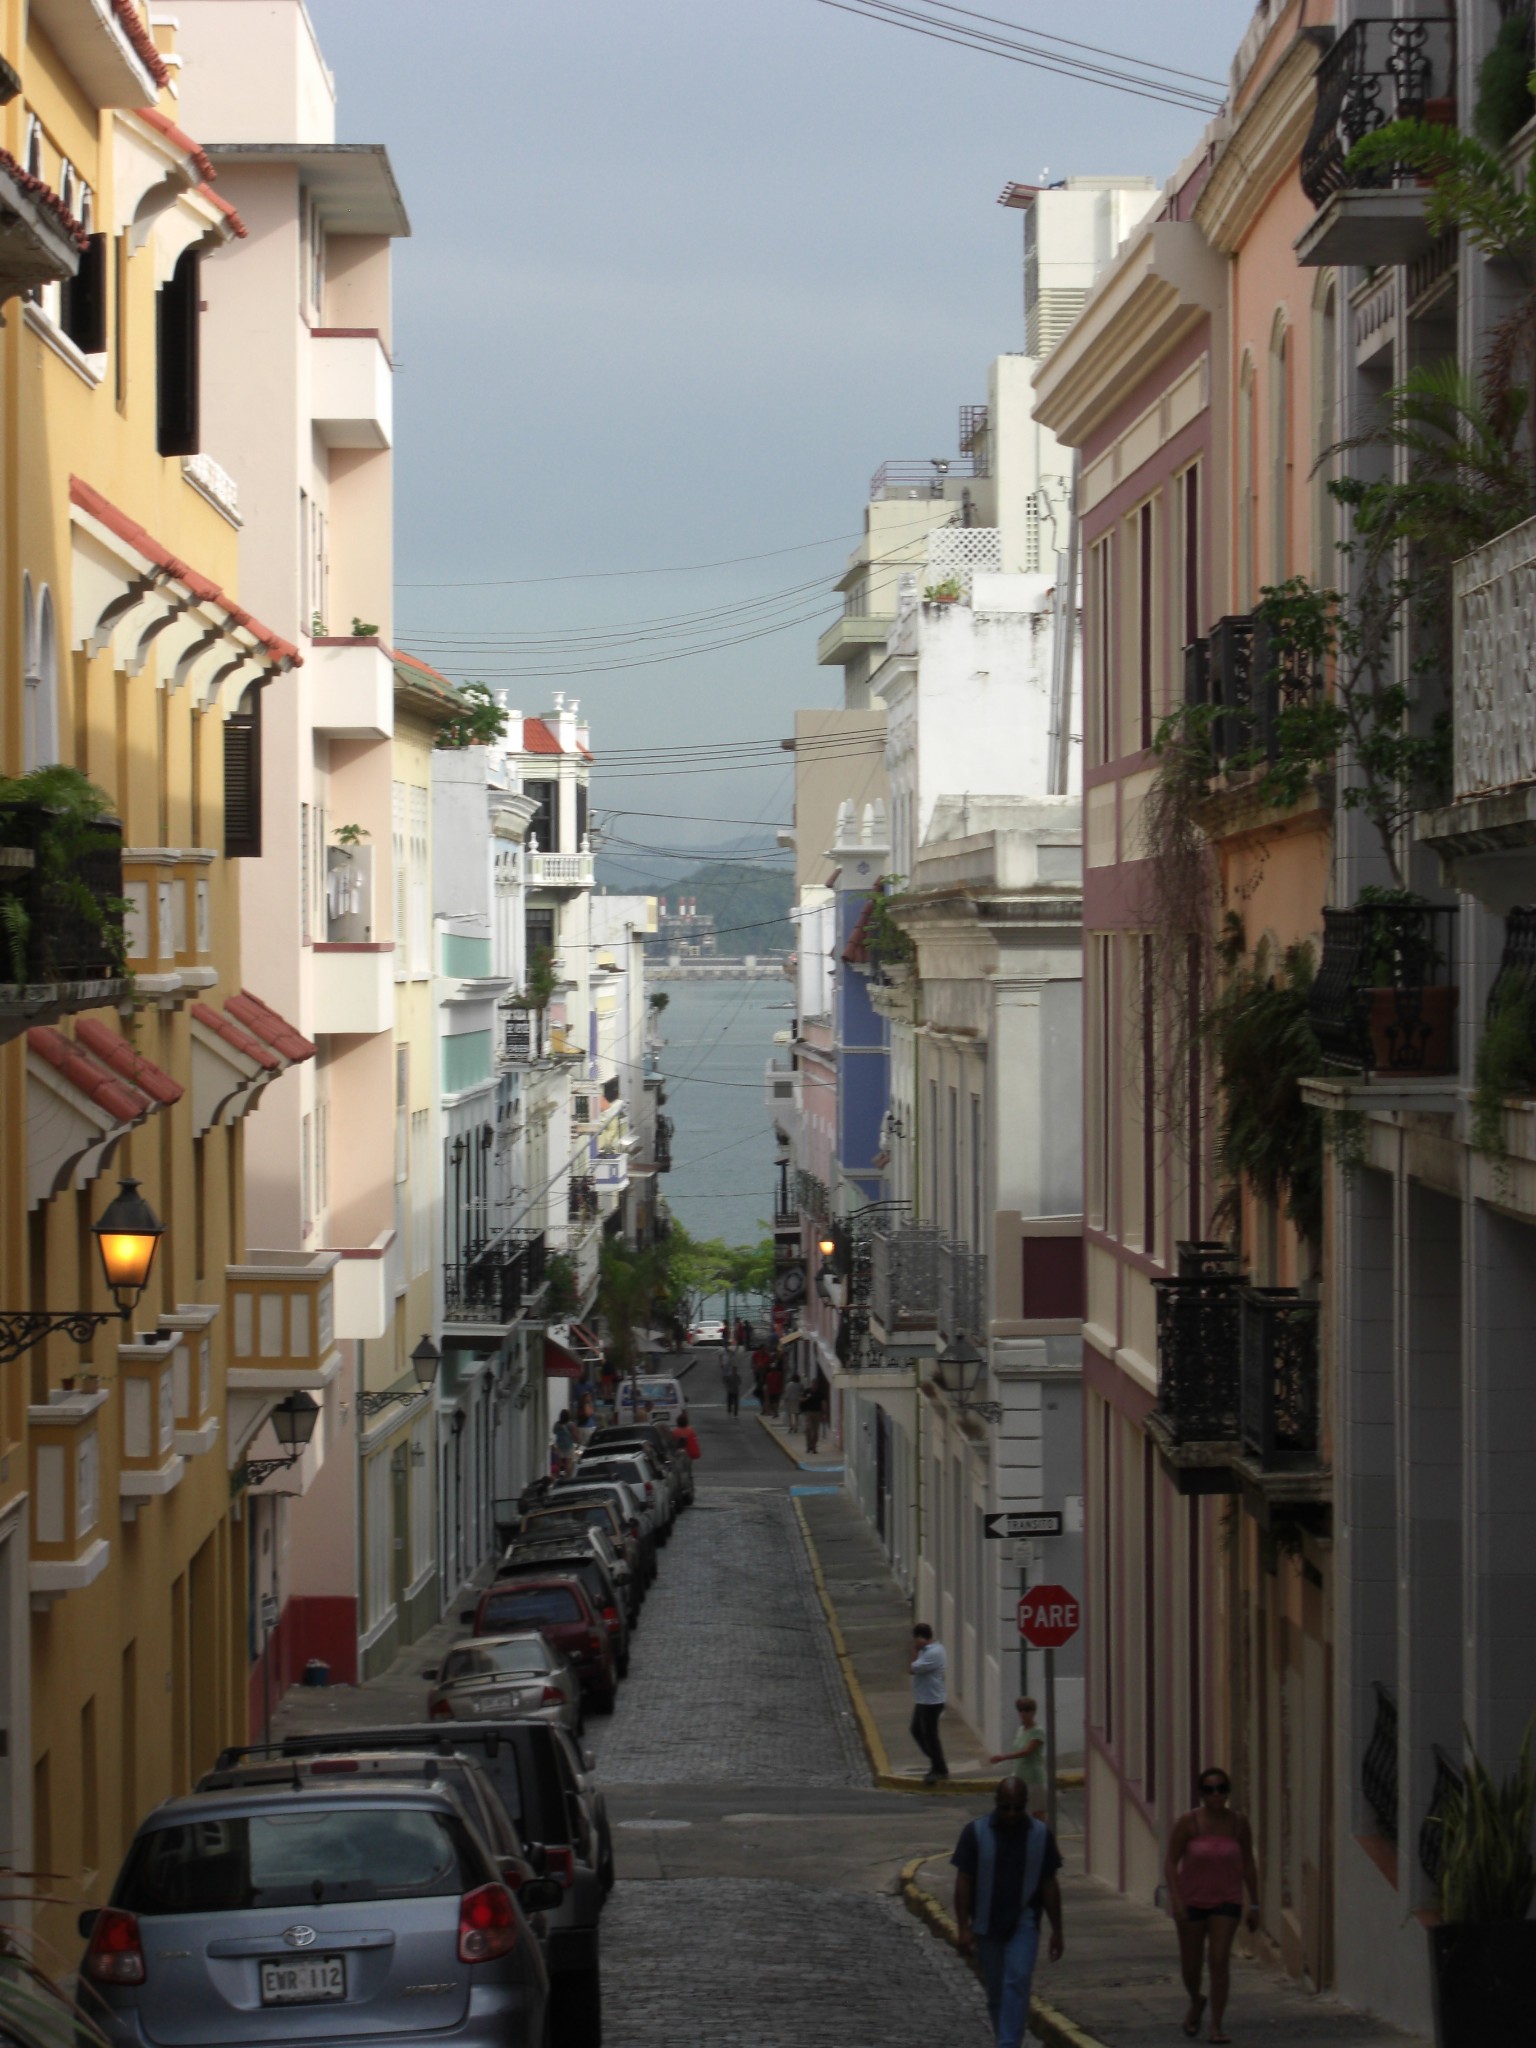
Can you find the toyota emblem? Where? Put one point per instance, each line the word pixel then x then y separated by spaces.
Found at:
pixel 299 1937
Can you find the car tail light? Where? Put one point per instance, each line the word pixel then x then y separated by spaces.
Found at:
pixel 611 1616
pixel 441 1711
pixel 116 1955
pixel 561 1863
pixel 487 1924
pixel 551 1696
pixel 649 1489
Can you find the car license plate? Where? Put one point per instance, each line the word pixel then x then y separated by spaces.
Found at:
pixel 493 1703
pixel 314 1981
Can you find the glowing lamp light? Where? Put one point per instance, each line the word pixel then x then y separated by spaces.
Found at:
pixel 826 1246
pixel 128 1236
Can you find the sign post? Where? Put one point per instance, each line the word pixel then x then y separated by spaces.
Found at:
pixel 1048 1617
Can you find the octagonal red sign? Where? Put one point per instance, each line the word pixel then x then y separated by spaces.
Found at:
pixel 1048 1617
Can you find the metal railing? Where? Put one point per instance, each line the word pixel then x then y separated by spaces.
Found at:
pixel 1495 664
pixel 1383 1000
pixel 1278 1399
pixel 1378 1767
pixel 962 1305
pixel 1198 1339
pixel 1244 673
pixel 1448 1782
pixel 497 1284
pixel 64 914
pixel 663 1159
pixel 1378 70
pixel 581 1198
pixel 917 474
pixel 904 1275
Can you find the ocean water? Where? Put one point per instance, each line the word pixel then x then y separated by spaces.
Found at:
pixel 718 1040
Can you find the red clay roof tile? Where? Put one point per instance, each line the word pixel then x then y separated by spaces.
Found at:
pixel 207 192
pixel 261 1018
pixel 143 42
pixel 114 1051
pixel 179 136
pixel 242 1041
pixel 96 1082
pixel 538 739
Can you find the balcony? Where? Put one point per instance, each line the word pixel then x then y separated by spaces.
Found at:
pixel 962 552
pixel 1486 836
pixel 962 1299
pixel 38 238
pixel 524 1037
pixel 663 1149
pixel 1378 70
pixel 64 1447
pixel 107 51
pixel 1383 1004
pixel 559 870
pixel 282 1320
pixel 150 1464
pixel 487 1294
pixel 1195 1421
pixel 850 636
pixel 55 956
pixel 352 688
pixel 167 926
pixel 904 1262
pixel 354 987
pixel 1278 1395
pixel 352 399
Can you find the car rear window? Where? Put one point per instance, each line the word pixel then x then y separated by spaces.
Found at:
pixel 593 1515
pixel 626 1468
pixel 492 1659
pixel 533 1606
pixel 297 1857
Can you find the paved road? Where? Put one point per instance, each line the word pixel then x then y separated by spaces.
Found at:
pixel 755 1863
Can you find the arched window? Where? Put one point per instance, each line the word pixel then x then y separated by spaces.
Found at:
pixel 40 676
pixel 34 147
pixel 1325 409
pixel 1246 581
pixel 1279 451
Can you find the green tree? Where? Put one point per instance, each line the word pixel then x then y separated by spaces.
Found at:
pixel 632 1287
pixel 481 721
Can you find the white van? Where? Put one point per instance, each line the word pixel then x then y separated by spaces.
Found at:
pixel 665 1398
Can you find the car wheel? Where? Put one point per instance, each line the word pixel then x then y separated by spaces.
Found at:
pixel 576 2009
pixel 603 1702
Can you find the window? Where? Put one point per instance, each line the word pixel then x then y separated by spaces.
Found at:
pixel 1189 549
pixel 420 871
pixel 304 882
pixel 1145 614
pixel 545 826
pixel 421 1195
pixel 1279 452
pixel 954 1162
pixel 1052 1279
pixel 378 1546
pixel 1326 413
pixel 397 813
pixel 40 668
pixel 242 779
pixel 322 1155
pixel 978 1243
pixel 83 297
pixel 1148 1094
pixel 176 334
pixel 402 1112
pixel 1099 646
pixel 538 932
pixel 1246 484
pixel 581 815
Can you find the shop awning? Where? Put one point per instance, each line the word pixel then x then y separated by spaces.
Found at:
pixel 560 1363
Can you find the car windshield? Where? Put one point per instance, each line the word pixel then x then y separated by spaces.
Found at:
pixel 495 1660
pixel 531 1607
pixel 292 1858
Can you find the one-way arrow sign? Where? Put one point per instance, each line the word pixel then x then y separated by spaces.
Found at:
pixel 1047 1522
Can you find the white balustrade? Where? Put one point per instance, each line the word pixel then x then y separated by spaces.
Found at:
pixel 1495 664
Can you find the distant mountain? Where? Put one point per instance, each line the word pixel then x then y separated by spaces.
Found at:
pixel 735 895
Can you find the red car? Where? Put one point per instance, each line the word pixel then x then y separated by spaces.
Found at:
pixel 560 1609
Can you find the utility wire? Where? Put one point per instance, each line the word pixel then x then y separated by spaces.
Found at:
pixel 1044 36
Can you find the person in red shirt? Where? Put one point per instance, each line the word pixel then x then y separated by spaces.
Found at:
pixel 684 1433
pixel 773 1388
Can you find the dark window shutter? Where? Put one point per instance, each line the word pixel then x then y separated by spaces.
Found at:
pixel 242 785
pixel 83 300
pixel 177 367
pixel 581 815
pixel 1053 1279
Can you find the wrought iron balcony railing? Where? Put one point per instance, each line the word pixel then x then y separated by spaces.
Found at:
pixel 1278 1392
pixel 1197 1348
pixel 1495 656
pixel 523 1036
pixel 497 1284
pixel 962 1293
pixel 1448 1782
pixel 1378 70
pixel 63 906
pixel 1384 1000
pixel 904 1275
pixel 1251 681
pixel 663 1160
pixel 581 1199
pixel 1378 1767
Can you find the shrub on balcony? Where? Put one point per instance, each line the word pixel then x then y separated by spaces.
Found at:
pixel 1505 1066
pixel 64 818
pixel 482 722
pixel 561 1294
pixel 1504 103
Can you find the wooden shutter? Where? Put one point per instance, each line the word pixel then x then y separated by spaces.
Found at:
pixel 176 312
pixel 242 783
pixel 83 300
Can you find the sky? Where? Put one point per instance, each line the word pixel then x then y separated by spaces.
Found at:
pixel 682 274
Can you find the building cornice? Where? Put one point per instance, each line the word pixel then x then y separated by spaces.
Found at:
pixel 1262 148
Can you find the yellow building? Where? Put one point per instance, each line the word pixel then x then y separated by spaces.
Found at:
pixel 131 1043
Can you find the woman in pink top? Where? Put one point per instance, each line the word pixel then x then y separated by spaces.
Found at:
pixel 1210 1865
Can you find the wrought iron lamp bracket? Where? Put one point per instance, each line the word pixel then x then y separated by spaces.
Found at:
pixel 255 1470
pixel 21 1329
pixel 370 1404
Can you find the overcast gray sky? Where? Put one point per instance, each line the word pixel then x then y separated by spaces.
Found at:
pixel 682 274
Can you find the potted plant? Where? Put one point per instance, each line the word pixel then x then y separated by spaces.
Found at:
pixel 947 591
pixel 1483 1952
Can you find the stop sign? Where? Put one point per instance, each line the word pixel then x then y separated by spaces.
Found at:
pixel 1048 1617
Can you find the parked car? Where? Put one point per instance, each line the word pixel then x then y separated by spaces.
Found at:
pixel 657 1453
pixel 241 1912
pixel 545 1781
pixel 641 1471
pixel 709 1331
pixel 562 1610
pixel 593 1523
pixel 503 1676
pixel 659 1436
pixel 624 1499
pixel 530 1558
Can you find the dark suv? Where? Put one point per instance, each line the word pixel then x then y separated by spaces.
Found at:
pixel 543 1780
pixel 535 1557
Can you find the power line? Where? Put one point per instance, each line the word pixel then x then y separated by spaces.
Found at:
pixel 1044 36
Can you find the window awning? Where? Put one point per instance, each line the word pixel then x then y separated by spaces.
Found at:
pixel 561 1363
pixel 83 1093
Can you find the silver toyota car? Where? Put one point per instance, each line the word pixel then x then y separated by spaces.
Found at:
pixel 505 1678
pixel 314 1915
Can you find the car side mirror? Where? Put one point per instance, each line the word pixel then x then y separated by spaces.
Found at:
pixel 429 1671
pixel 87 1922
pixel 542 1895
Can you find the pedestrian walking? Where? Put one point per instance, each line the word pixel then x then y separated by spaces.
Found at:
pixel 793 1389
pixel 732 1377
pixel 1210 1863
pixel 813 1409
pixel 684 1433
pixel 773 1388
pixel 1005 1878
pixel 564 1445
pixel 1027 1755
pixel 929 1666
pixel 762 1358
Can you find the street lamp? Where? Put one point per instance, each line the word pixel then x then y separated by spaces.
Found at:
pixel 958 1370
pixel 293 1424
pixel 425 1360
pixel 127 1236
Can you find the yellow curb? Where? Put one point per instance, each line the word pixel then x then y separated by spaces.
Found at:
pixel 869 1734
pixel 1049 2025
pixel 774 1438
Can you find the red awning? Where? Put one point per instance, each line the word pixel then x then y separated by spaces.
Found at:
pixel 560 1363
pixel 587 1343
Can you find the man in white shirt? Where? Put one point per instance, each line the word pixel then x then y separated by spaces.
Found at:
pixel 929 1664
